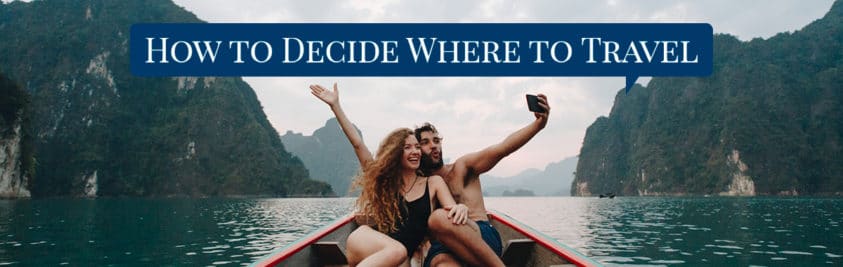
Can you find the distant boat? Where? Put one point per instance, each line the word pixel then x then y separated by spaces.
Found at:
pixel 523 246
pixel 607 195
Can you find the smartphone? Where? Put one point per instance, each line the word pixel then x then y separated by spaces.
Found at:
pixel 533 104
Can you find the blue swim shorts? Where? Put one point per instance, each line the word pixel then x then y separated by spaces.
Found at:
pixel 489 234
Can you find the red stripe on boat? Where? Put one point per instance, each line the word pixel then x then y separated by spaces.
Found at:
pixel 570 256
pixel 290 250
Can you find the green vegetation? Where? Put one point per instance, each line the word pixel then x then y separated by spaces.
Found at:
pixel 141 136
pixel 13 101
pixel 777 103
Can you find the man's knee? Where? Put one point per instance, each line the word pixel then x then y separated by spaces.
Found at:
pixel 444 260
pixel 438 221
pixel 396 254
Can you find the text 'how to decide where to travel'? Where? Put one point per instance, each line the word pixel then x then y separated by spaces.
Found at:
pixel 423 49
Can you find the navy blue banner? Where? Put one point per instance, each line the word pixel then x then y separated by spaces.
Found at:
pixel 422 49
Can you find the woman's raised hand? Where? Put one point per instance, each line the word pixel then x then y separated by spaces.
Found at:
pixel 332 98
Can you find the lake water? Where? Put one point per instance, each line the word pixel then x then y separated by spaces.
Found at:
pixel 634 231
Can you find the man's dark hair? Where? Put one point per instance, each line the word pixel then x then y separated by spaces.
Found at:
pixel 426 127
pixel 427 166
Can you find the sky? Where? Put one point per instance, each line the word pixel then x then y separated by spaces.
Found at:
pixel 472 113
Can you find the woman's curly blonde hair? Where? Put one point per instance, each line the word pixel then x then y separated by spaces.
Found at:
pixel 381 183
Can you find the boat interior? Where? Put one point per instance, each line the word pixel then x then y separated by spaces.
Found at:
pixel 519 249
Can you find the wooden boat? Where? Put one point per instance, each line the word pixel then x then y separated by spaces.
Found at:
pixel 523 246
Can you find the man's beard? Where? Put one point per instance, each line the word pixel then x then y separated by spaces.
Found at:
pixel 427 164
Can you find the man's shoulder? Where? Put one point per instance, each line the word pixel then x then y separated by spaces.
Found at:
pixel 434 179
pixel 445 171
pixel 456 170
pixel 451 167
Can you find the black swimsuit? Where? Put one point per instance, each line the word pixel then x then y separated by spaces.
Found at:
pixel 413 227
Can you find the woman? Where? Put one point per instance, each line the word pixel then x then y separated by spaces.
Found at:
pixel 395 199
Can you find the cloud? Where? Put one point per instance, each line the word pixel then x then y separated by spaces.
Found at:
pixel 473 113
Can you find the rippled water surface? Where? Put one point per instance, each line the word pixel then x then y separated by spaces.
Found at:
pixel 620 231
pixel 690 231
pixel 156 232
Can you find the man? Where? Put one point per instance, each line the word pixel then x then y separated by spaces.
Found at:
pixel 475 243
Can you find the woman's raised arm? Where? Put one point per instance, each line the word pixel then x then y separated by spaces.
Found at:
pixel 332 98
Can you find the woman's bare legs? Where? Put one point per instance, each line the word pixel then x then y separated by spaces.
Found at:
pixel 367 247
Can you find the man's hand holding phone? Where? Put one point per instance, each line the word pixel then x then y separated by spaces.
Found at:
pixel 538 105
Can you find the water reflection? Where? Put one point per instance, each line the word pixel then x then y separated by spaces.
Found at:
pixel 620 231
pixel 268 224
pixel 690 231
pixel 155 232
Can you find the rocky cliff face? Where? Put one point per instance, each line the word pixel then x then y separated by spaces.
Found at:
pixel 15 144
pixel 100 131
pixel 768 121
pixel 13 180
pixel 327 154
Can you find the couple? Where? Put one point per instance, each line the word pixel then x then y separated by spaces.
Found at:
pixel 399 187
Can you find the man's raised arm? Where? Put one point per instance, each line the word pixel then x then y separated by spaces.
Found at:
pixel 484 160
pixel 333 101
